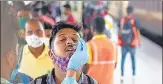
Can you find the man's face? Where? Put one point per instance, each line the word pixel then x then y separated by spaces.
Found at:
pixel 34 28
pixel 86 31
pixel 66 11
pixel 24 14
pixel 64 41
pixel 47 32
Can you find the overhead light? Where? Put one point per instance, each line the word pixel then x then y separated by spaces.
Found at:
pixel 27 2
pixel 10 2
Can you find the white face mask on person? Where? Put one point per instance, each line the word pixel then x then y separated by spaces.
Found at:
pixel 34 41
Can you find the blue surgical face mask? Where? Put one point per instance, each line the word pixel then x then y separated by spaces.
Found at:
pixel 22 22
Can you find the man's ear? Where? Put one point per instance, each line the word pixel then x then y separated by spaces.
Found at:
pixel 50 54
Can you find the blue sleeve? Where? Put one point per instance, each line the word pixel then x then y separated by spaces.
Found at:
pixel 69 80
pixel 25 78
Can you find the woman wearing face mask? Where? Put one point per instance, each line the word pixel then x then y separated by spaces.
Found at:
pixel 69 53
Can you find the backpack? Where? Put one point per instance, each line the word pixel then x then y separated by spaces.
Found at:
pixel 134 41
pixel 90 80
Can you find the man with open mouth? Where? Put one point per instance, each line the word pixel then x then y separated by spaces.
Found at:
pixel 69 53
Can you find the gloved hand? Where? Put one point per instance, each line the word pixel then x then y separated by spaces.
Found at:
pixel 80 56
pixel 69 80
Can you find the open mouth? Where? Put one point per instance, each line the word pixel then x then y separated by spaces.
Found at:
pixel 70 51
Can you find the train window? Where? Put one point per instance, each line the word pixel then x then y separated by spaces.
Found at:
pixel 160 6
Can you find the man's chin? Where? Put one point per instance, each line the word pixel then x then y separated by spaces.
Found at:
pixel 70 54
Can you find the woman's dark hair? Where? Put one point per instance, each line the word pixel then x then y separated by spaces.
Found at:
pixel 62 25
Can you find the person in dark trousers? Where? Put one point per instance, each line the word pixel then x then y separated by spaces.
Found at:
pixel 129 39
pixel 87 15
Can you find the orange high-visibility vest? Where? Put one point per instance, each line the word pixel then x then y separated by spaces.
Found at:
pixel 103 60
pixel 134 43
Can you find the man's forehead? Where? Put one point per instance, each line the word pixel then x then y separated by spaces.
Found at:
pixel 66 34
pixel 67 31
pixel 23 13
pixel 34 25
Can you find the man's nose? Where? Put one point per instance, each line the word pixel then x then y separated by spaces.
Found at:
pixel 69 41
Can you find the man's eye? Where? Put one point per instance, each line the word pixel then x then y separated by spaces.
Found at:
pixel 29 32
pixel 62 39
pixel 38 31
pixel 75 40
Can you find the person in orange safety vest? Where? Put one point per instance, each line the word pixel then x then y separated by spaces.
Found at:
pixel 102 58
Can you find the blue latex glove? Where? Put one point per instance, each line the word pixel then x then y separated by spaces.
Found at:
pixel 80 56
pixel 69 80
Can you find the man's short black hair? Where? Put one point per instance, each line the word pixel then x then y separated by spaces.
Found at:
pixel 129 9
pixel 45 10
pixel 67 6
pixel 62 25
pixel 85 26
pixel 99 24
